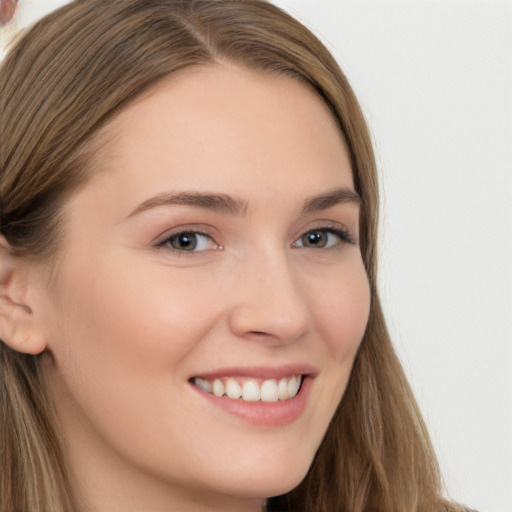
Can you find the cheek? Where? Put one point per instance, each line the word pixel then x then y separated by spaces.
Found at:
pixel 342 312
pixel 120 354
pixel 128 335
pixel 125 300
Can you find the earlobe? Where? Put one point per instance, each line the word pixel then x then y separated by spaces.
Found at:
pixel 18 328
pixel 26 344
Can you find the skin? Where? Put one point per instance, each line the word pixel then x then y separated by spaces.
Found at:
pixel 129 323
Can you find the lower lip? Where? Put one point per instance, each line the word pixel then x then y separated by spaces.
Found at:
pixel 266 414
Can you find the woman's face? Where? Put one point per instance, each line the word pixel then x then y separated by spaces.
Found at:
pixel 216 249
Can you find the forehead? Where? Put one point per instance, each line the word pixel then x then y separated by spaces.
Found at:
pixel 230 128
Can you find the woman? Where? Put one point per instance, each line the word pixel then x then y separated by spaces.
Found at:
pixel 189 312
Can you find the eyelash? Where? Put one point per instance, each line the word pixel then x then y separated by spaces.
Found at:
pixel 343 235
pixel 165 243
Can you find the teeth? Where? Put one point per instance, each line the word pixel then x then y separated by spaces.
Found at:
pixel 293 386
pixel 205 385
pixel 233 389
pixel 251 391
pixel 218 387
pixel 268 391
pixel 282 389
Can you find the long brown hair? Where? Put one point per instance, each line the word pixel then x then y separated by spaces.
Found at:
pixel 65 80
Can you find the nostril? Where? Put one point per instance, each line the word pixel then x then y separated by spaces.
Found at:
pixel 259 317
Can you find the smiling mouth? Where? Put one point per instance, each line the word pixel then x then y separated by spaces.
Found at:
pixel 251 390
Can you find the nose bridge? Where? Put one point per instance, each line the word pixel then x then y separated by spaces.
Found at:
pixel 268 299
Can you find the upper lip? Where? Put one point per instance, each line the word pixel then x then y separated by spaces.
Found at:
pixel 261 372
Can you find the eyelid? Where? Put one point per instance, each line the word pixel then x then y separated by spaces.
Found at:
pixel 161 241
pixel 331 227
pixel 343 235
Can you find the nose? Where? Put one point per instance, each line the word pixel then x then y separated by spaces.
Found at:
pixel 268 301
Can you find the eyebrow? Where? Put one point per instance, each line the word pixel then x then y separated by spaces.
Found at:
pixel 237 207
pixel 329 199
pixel 209 201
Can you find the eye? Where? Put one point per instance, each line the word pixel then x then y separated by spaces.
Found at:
pixel 323 238
pixel 188 241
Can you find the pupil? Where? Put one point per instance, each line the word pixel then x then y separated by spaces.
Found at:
pixel 186 241
pixel 315 238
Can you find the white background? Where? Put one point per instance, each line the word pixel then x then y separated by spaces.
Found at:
pixel 435 81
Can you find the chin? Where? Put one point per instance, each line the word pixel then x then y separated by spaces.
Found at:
pixel 267 482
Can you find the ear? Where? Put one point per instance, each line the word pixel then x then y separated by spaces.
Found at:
pixel 18 325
